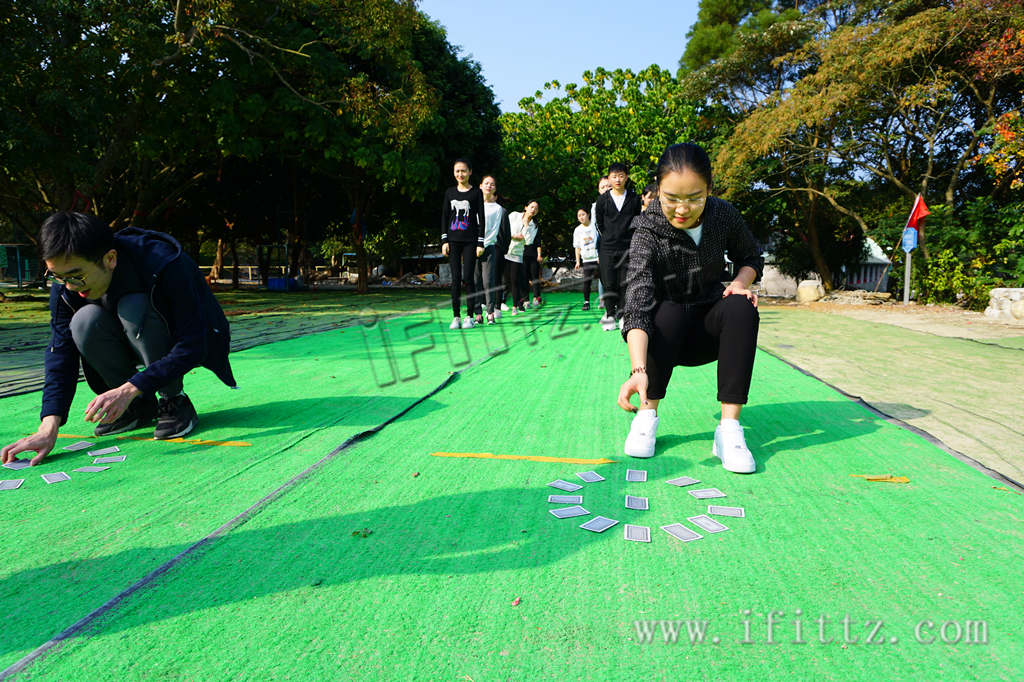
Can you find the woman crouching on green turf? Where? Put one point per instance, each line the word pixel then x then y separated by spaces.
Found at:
pixel 678 313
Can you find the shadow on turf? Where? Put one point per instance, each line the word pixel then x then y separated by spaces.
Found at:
pixel 809 425
pixel 455 534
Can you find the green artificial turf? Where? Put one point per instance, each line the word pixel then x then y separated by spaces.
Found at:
pixel 389 563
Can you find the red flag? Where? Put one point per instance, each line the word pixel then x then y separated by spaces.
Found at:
pixel 918 213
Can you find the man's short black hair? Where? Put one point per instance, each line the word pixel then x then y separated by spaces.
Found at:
pixel 67 234
pixel 618 168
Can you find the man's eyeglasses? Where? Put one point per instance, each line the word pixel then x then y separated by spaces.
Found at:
pixel 673 204
pixel 75 281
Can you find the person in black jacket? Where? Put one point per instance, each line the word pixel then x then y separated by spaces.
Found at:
pixel 677 311
pixel 118 301
pixel 613 213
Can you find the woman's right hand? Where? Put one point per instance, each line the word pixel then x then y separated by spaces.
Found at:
pixel 444 249
pixel 637 383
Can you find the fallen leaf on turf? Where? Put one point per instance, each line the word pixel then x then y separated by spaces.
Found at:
pixel 885 478
pixel 416 474
pixel 1003 487
pixel 365 532
pixel 516 601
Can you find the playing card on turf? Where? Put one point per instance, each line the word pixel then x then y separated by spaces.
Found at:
pixel 12 484
pixel 56 477
pixel 80 445
pixel 565 499
pixel 91 470
pixel 640 503
pixel 590 476
pixel 567 512
pixel 18 464
pixel 706 493
pixel 109 460
pixel 599 524
pixel 707 523
pixel 682 481
pixel 105 451
pixel 565 485
pixel 726 511
pixel 681 532
pixel 636 475
pixel 638 533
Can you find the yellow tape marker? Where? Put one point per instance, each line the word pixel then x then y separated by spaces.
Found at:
pixel 883 478
pixel 531 458
pixel 186 441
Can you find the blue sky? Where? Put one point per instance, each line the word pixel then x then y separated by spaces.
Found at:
pixel 524 43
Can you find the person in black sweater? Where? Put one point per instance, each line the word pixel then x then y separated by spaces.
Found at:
pixel 462 237
pixel 614 213
pixel 677 311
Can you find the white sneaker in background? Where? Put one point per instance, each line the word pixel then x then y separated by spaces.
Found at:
pixel 468 323
pixel 504 308
pixel 731 447
pixel 620 324
pixel 455 324
pixel 642 434
pixel 497 313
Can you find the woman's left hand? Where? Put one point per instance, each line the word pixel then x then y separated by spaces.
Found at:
pixel 479 251
pixel 738 289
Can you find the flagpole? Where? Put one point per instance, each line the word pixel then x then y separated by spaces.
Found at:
pixel 906 281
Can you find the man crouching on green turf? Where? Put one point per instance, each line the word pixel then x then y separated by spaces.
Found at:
pixel 119 301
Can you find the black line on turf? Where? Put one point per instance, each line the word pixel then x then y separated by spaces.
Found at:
pixel 966 459
pixel 54 644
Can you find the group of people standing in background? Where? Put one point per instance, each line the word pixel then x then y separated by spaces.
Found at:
pixel 660 258
pixel 492 253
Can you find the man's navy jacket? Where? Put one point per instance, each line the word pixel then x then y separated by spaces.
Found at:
pixel 179 293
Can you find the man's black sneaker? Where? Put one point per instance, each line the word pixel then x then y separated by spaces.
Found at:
pixel 586 305
pixel 140 413
pixel 175 417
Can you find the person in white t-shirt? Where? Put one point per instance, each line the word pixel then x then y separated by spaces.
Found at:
pixel 522 229
pixel 489 265
pixel 584 242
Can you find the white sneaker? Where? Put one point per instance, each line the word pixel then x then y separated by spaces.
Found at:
pixel 608 324
pixel 620 324
pixel 468 323
pixel 455 324
pixel 497 313
pixel 642 433
pixel 504 308
pixel 731 448
pixel 490 319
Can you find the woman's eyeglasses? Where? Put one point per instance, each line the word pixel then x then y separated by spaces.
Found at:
pixel 673 204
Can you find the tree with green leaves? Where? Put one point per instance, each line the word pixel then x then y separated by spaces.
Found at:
pixel 564 139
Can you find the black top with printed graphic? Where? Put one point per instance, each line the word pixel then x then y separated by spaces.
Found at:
pixel 462 216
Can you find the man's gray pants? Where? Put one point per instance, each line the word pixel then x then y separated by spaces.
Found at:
pixel 116 345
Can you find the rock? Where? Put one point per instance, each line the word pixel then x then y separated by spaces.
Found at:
pixel 1006 304
pixel 809 290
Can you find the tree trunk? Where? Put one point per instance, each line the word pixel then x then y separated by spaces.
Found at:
pixel 218 262
pixel 357 236
pixel 234 262
pixel 364 274
pixel 815 245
